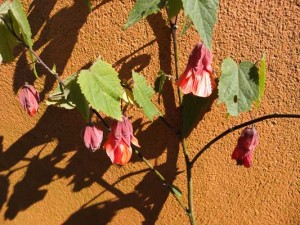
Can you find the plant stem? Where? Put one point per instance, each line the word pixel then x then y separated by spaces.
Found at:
pixel 161 177
pixel 40 61
pixel 101 118
pixel 250 122
pixel 173 24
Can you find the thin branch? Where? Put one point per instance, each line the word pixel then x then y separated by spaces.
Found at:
pixel 161 177
pixel 250 122
pixel 173 25
pixel 39 60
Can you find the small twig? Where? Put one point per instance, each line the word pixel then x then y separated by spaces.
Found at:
pixel 250 122
pixel 161 177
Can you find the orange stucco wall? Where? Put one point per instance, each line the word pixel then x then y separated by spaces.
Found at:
pixel 48 177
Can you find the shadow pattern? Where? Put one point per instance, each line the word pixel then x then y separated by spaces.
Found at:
pixel 65 127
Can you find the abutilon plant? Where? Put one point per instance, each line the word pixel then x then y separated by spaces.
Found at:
pixel 99 89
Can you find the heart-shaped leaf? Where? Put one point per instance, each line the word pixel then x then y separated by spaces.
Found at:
pixel 238 86
pixel 102 89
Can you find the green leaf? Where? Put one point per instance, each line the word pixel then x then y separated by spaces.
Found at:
pixel 159 83
pixel 203 13
pixel 7 43
pixel 142 9
pixel 79 100
pixel 20 22
pixel 262 78
pixel 187 24
pixel 89 4
pixel 175 190
pixel 143 94
pixel 238 86
pixel 60 96
pixel 4 7
pixel 194 108
pixel 101 88
pixel 174 7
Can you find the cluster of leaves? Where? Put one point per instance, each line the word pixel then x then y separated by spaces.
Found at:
pixel 202 13
pixel 100 88
pixel 14 29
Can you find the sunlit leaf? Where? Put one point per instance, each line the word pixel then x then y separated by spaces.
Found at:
pixel 4 7
pixel 127 96
pixel 142 9
pixel 20 22
pixel 102 89
pixel 203 13
pixel 238 86
pixel 143 94
pixel 187 24
pixel 262 77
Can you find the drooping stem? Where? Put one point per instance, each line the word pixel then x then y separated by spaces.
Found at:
pixel 173 24
pixel 250 122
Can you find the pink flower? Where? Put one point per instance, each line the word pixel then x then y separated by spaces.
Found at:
pixel 118 146
pixel 92 137
pixel 197 77
pixel 29 99
pixel 245 147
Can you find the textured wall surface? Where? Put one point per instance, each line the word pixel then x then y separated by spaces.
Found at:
pixel 48 177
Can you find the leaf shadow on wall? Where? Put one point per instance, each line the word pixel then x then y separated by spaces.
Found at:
pixel 4 182
pixel 85 168
pixel 57 39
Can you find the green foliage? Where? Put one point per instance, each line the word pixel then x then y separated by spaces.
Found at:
pixel 159 83
pixel 203 13
pixel 102 89
pixel 4 7
pixel 69 96
pixel 143 94
pixel 20 22
pixel 174 7
pixel 7 43
pixel 194 108
pixel 187 24
pixel 89 5
pixel 238 86
pixel 13 20
pixel 60 96
pixel 142 9
pixel 79 100
pixel 262 77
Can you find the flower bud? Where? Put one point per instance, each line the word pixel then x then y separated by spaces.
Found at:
pixel 29 99
pixel 92 137
pixel 246 144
